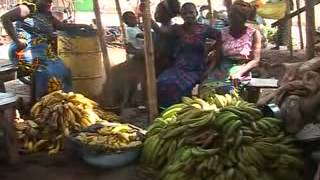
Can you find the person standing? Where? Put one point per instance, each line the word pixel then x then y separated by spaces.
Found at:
pixel 32 49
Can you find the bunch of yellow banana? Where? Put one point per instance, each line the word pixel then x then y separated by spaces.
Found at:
pixel 35 139
pixel 109 116
pixel 54 84
pixel 56 115
pixel 112 137
pixel 226 138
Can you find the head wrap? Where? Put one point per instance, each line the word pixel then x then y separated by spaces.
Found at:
pixel 244 9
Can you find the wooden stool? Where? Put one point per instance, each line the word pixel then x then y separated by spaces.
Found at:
pixel 7 73
pixel 7 114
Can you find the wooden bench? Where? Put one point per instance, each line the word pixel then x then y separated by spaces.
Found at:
pixel 7 114
pixel 7 73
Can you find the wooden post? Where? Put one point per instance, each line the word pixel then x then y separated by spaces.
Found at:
pixel 310 29
pixel 149 61
pixel 101 32
pixel 210 11
pixel 289 26
pixel 228 4
pixel 123 31
pixel 300 26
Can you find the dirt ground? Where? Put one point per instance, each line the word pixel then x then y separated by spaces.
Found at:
pixel 68 167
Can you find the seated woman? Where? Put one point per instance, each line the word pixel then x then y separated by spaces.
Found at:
pixel 241 48
pixel 32 45
pixel 190 64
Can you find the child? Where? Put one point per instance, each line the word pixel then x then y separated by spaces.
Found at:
pixel 134 34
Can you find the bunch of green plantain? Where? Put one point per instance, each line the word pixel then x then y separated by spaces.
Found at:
pixel 112 137
pixel 224 139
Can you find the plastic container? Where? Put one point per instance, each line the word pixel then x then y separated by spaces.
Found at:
pixel 271 110
pixel 112 160
pixel 105 160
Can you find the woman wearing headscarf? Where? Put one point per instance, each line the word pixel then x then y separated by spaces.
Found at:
pixel 32 48
pixel 241 48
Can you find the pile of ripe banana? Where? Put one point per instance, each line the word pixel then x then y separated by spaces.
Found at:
pixel 226 139
pixel 112 137
pixel 56 115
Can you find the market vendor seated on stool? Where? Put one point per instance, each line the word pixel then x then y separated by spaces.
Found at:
pixel 32 50
pixel 134 39
pixel 241 49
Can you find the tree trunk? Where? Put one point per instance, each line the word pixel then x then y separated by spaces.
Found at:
pixel 149 61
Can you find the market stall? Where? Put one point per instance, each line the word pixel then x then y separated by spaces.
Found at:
pixel 208 136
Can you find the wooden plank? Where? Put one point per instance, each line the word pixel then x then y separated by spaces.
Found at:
pixel 149 61
pixel 310 29
pixel 263 83
pixel 101 33
pixel 291 15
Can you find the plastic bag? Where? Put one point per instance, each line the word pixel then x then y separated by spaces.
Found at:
pixel 273 10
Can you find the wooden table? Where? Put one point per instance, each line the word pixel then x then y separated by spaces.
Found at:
pixel 263 83
pixel 254 86
pixel 7 114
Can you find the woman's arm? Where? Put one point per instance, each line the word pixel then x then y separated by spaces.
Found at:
pixel 255 56
pixel 215 51
pixel 165 30
pixel 67 26
pixel 18 13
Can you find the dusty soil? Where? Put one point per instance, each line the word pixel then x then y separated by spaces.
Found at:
pixel 68 167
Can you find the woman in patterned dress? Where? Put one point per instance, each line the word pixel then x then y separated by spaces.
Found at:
pixel 191 57
pixel 241 49
pixel 32 49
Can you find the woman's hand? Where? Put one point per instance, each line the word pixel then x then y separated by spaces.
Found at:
pixel 85 26
pixel 21 44
pixel 236 76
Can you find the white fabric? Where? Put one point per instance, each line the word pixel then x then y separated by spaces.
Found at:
pixel 132 33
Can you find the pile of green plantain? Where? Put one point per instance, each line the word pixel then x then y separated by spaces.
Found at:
pixel 226 139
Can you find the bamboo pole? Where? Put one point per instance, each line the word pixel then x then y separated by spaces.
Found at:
pixel 101 32
pixel 310 29
pixel 123 31
pixel 149 61
pixel 300 26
